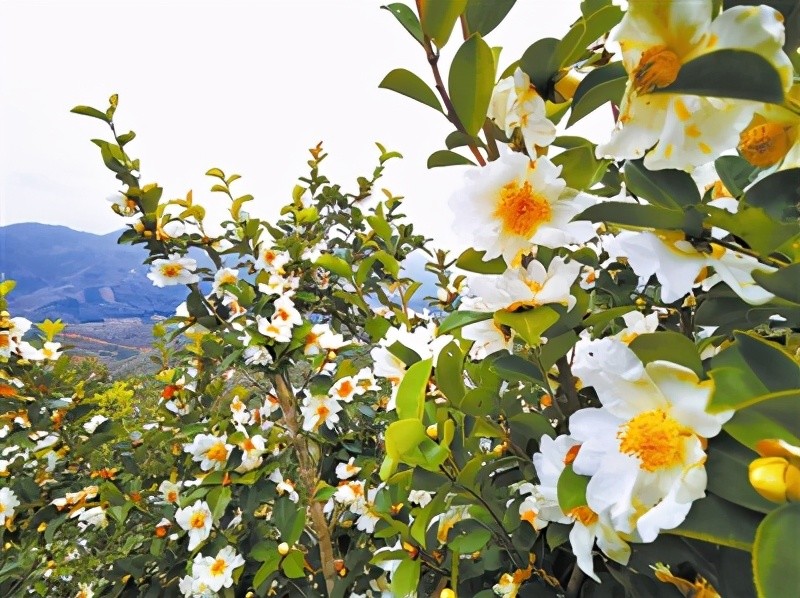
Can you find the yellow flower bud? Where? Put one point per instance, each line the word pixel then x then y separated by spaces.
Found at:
pixel 566 84
pixel 775 479
pixel 283 549
pixel 432 431
pixel 447 593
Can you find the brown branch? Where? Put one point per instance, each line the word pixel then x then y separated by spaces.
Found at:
pixel 575 582
pixel 307 478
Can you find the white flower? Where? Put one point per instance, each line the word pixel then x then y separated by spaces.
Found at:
pixel 252 449
pixel 170 491
pixel 172 271
pixel 224 276
pixel 657 39
pixel 239 412
pixel 637 323
pixel 345 389
pixel 284 486
pixel 678 265
pixel 86 517
pixel 318 410
pixel 121 204
pixel 366 380
pixel 589 527
pixel 322 338
pixel 8 502
pixel 347 470
pixel 515 103
pixel 217 572
pixel 350 493
pixel 257 355
pixel 94 422
pixel 285 313
pixel 420 497
pixel 271 260
pixel 210 451
pixel 644 448
pixel 197 520
pixel 487 338
pixel 512 203
pixel 278 331
pixel 191 587
pixel 772 140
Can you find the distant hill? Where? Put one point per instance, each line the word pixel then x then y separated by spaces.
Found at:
pixel 79 276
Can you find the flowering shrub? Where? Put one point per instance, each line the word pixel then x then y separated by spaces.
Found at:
pixel 601 399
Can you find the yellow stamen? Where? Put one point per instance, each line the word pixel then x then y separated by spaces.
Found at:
pixel 765 144
pixel 658 67
pixel 583 514
pixel 171 270
pixel 218 568
pixel 522 210
pixel 217 452
pixel 198 520
pixel 655 438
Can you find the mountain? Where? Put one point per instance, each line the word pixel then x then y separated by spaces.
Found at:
pixel 78 276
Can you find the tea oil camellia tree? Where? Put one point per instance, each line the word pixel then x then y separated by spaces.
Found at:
pixel 602 398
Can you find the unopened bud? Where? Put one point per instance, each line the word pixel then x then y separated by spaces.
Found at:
pixel 432 431
pixel 283 549
pixel 776 479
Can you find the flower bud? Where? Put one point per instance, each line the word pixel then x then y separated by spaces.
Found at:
pixel 776 479
pixel 283 549
pixel 447 593
pixel 432 431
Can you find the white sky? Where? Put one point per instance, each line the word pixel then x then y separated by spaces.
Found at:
pixel 244 86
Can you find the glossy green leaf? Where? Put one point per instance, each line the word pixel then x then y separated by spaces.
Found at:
pixel 471 81
pixel 770 362
pixel 759 230
pixel 407 83
pixel 484 15
pixel 406 18
pixel 89 111
pixel 406 577
pixel 665 188
pixel 580 168
pixel 450 372
pixel 537 62
pixel 776 415
pixel 529 426
pixel 631 214
pixel 778 194
pixel 411 392
pixel 728 477
pixel 602 318
pixel 516 368
pixel 468 536
pixel 441 158
pixel 438 18
pixel 571 489
pixel 784 283
pixel 718 521
pixel 459 319
pixel 472 261
pixel 293 564
pixel 585 31
pixel 719 74
pixel 776 560
pixel 335 264
pixel 669 346
pixel 734 172
pixel 603 84
pixel 529 325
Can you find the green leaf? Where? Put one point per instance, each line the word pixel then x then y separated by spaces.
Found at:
pixel 514 367
pixel 406 18
pixel 335 264
pixel 719 74
pixel 406 577
pixel 603 84
pixel 438 18
pixel 471 81
pixel 89 111
pixel 468 536
pixel 728 476
pixel 778 194
pixel 734 172
pixel 580 168
pixel 571 489
pixel 484 15
pixel 411 392
pixel 529 426
pixel 537 62
pixel 450 372
pixel 293 564
pixel 783 283
pixel 601 319
pixel 215 172
pixel 718 521
pixel 585 31
pixel 665 188
pixel 441 158
pixel 407 83
pixel 632 214
pixel 459 139
pixel 758 229
pixel 472 261
pixel 528 324
pixel 776 560
pixel 776 368
pixel 776 415
pixel 459 319
pixel 669 346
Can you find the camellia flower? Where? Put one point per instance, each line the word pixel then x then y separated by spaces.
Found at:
pixel 197 520
pixel 210 451
pixel 487 338
pixel 285 313
pixel 252 449
pixel 318 410
pixel 345 389
pixel 284 486
pixel 8 502
pixel 170 491
pixel 217 572
pixel 420 497
pixel 271 260
pixel 172 271
pixel 657 39
pixel 345 471
pixel 222 277
pixel 644 449
pixel 773 136
pixel 678 265
pixel 322 338
pixel 514 202
pixel 279 331
pixel 636 323
pixel 192 587
pixel 516 104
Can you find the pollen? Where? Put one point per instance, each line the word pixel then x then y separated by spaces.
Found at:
pixel 171 270
pixel 583 514
pixel 345 389
pixel 217 452
pixel 765 144
pixel 522 210
pixel 655 438
pixel 198 520
pixel 658 67
pixel 529 516
pixel 218 568
pixel 323 412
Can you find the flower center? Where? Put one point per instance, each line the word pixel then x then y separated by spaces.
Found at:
pixel 198 520
pixel 346 389
pixel 323 412
pixel 248 445
pixel 172 496
pixel 171 270
pixel 658 67
pixel 583 514
pixel 522 210
pixel 764 145
pixel 655 438
pixel 217 452
pixel 529 516
pixel 218 568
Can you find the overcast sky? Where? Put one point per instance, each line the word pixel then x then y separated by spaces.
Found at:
pixel 244 86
